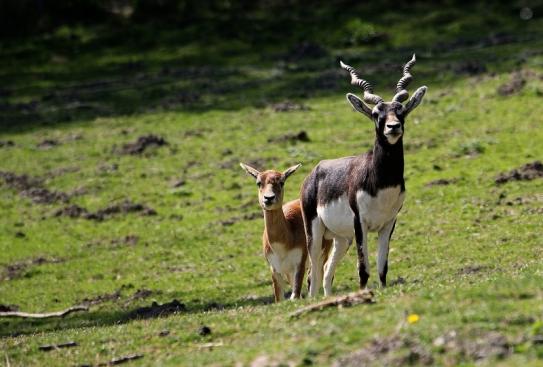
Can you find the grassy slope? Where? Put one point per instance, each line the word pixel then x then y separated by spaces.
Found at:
pixel 463 131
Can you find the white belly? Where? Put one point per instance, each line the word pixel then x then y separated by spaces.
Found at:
pixel 375 212
pixel 338 218
pixel 284 262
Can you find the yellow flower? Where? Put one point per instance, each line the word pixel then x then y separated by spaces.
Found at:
pixel 413 318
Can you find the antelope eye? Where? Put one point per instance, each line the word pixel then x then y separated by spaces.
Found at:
pixel 258 183
pixel 282 183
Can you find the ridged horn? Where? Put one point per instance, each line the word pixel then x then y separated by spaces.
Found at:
pixel 369 97
pixel 401 88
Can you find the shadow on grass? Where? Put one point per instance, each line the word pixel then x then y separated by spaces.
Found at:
pixel 101 317
pixel 77 75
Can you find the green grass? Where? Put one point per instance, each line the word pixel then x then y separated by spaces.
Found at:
pixel 465 256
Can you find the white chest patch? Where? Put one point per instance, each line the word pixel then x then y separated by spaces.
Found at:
pixel 376 211
pixel 284 262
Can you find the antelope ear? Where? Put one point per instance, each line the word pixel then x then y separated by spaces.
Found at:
pixel 359 105
pixel 250 170
pixel 291 170
pixel 415 100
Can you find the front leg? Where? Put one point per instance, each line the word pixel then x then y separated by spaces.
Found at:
pixel 315 233
pixel 382 258
pixel 298 278
pixel 278 286
pixel 360 232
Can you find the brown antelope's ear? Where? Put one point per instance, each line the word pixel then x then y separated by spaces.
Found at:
pixel 415 100
pixel 250 170
pixel 291 170
pixel 359 105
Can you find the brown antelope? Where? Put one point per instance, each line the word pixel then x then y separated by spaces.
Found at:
pixel 349 197
pixel 283 240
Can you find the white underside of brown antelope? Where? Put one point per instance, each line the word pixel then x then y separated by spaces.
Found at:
pixel 283 240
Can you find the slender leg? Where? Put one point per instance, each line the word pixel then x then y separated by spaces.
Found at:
pixel 382 257
pixel 362 251
pixel 278 286
pixel 298 278
pixel 341 245
pixel 315 255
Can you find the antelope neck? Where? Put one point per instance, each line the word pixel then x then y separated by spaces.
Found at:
pixel 276 225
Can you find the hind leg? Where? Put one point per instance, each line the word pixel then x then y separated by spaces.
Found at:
pixel 314 241
pixel 278 286
pixel 340 247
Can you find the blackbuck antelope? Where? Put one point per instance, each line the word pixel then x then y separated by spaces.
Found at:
pixel 351 196
pixel 283 240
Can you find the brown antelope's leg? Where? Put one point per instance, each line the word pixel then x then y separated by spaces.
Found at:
pixel 298 278
pixel 277 287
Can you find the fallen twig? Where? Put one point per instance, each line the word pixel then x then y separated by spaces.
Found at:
pixel 124 359
pixel 43 315
pixel 351 299
pixel 8 364
pixel 49 347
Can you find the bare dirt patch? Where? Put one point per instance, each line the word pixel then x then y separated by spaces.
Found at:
pixel 8 308
pixel 489 345
pixel 290 138
pixel 32 188
pixel 441 182
pixel 47 144
pixel 390 351
pixel 122 208
pixel 515 84
pixel 527 172
pixel 289 106
pixel 6 143
pixel 471 269
pixel 157 310
pixel 20 268
pixel 101 298
pixel 143 143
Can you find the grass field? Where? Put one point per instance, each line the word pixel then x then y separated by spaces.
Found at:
pixel 88 219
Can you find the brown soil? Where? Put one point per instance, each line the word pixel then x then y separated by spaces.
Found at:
pixel 471 269
pixel 391 351
pixel 143 143
pixel 526 172
pixel 290 138
pixel 288 106
pixel 6 143
pixel 19 268
pixel 101 298
pixel 441 182
pixel 513 86
pixel 489 345
pixel 32 188
pixel 156 310
pixel 124 207
pixel 8 308
pixel 48 144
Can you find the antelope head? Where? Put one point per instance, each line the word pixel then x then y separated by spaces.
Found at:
pixel 270 185
pixel 389 117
